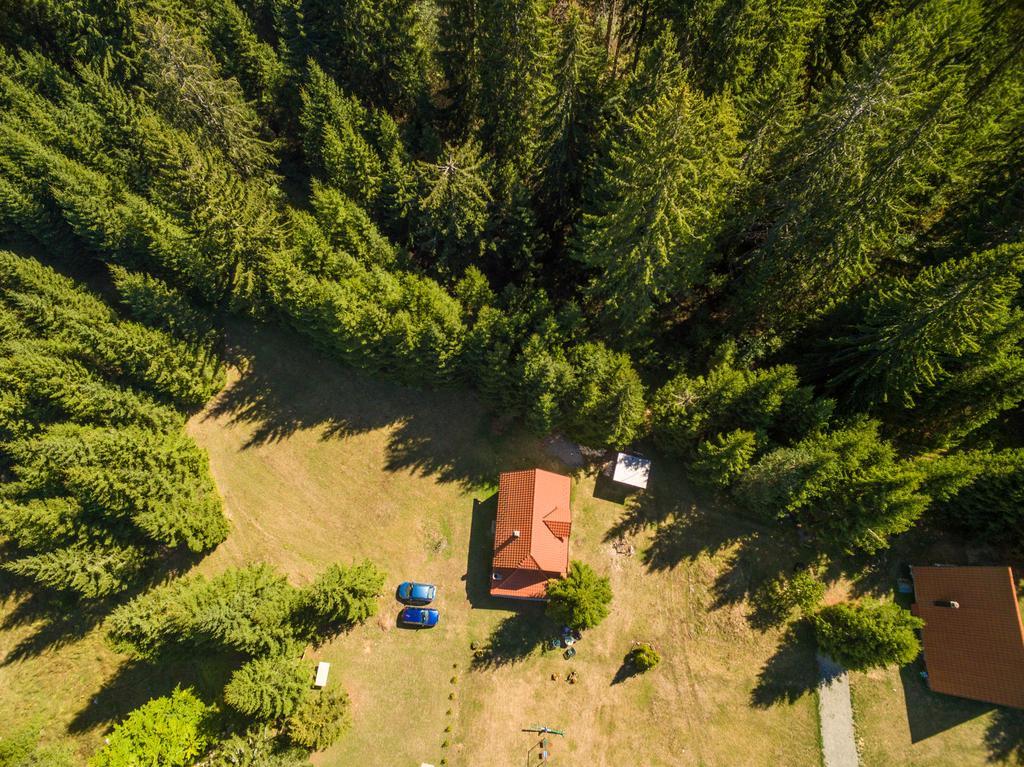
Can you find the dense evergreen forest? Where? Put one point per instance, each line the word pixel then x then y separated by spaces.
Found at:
pixel 782 240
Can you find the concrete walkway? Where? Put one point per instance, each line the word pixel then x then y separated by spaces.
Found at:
pixel 835 714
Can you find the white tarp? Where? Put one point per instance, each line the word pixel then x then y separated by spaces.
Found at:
pixel 632 470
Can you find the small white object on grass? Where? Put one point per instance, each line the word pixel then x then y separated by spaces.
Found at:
pixel 322 670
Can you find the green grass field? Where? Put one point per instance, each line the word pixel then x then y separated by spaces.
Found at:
pixel 319 464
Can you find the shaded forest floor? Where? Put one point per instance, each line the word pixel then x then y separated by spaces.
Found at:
pixel 319 464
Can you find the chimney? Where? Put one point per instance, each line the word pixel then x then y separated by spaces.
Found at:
pixel 515 533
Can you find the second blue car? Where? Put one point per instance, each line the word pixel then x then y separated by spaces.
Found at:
pixel 416 593
pixel 419 617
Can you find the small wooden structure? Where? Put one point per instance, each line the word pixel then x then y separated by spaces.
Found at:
pixel 322 670
pixel 632 470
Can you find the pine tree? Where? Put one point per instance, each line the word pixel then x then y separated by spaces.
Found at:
pixel 649 224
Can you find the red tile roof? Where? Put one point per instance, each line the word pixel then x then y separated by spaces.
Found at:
pixel 531 539
pixel 975 650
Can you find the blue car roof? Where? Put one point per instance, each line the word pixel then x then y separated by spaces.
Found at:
pixel 423 615
pixel 422 591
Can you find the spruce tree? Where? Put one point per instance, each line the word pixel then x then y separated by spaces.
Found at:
pixel 917 333
pixel 267 689
pixel 345 596
pixel 458 50
pixel 570 121
pixel 607 404
pixel 173 730
pixel 871 160
pixel 649 222
pixel 514 80
pixel 866 635
pixel 370 47
pixel 848 487
pixel 87 570
pixel 320 720
pixel 453 207
pixel 580 599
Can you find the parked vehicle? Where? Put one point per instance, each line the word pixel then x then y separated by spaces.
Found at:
pixel 412 593
pixel 419 617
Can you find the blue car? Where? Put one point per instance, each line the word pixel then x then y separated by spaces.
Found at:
pixel 419 617
pixel 416 593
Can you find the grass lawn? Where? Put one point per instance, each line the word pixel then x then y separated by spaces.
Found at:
pixel 900 721
pixel 319 464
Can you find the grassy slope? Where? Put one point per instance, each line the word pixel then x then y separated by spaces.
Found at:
pixel 318 464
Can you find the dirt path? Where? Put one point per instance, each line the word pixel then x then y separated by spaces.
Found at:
pixel 836 714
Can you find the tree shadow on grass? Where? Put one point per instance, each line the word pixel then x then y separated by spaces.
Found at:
pixel 57 620
pixel 137 682
pixel 514 638
pixel 626 671
pixel 686 526
pixel 1005 736
pixel 285 386
pixel 61 619
pixel 790 673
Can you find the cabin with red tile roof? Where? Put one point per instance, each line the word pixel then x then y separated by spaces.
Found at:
pixel 531 535
pixel 973 636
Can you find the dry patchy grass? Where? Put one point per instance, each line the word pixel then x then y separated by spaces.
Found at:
pixel 900 721
pixel 319 464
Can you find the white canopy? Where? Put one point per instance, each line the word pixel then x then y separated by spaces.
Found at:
pixel 632 470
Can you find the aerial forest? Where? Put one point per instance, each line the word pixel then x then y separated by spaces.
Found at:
pixel 780 242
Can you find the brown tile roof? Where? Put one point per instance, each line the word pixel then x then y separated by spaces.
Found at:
pixel 976 650
pixel 535 504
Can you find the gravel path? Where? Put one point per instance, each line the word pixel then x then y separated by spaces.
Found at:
pixel 836 715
